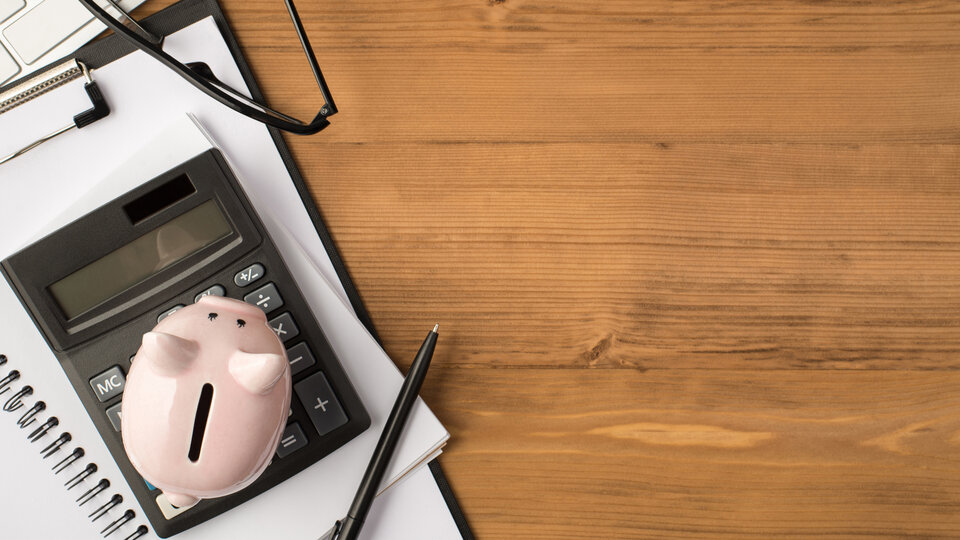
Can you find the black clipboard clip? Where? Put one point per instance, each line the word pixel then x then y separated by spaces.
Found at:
pixel 39 85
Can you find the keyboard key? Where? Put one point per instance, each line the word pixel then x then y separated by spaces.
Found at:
pixel 113 413
pixel 321 404
pixel 285 327
pixel 292 440
pixel 216 290
pixel 300 358
pixel 8 66
pixel 45 26
pixel 108 384
pixel 8 8
pixel 266 298
pixel 248 275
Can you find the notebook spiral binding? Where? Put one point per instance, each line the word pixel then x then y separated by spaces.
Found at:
pixel 67 456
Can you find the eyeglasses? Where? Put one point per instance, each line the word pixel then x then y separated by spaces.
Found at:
pixel 200 75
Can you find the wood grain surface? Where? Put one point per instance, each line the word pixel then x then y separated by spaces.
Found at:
pixel 696 264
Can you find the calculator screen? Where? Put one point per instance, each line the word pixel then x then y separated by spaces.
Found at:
pixel 140 259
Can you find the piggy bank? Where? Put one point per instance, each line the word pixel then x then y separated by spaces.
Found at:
pixel 206 400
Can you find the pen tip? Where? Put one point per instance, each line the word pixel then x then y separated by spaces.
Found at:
pixel 435 328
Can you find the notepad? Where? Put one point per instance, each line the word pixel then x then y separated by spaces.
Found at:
pixel 57 180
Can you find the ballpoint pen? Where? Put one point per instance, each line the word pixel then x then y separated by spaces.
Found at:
pixel 349 527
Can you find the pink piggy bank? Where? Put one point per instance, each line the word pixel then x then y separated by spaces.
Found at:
pixel 206 400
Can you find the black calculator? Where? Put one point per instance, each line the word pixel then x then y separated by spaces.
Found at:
pixel 95 286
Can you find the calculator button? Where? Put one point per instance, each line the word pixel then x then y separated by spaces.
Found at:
pixel 169 511
pixel 216 290
pixel 169 312
pixel 266 298
pixel 108 384
pixel 113 413
pixel 284 327
pixel 292 440
pixel 321 404
pixel 300 358
pixel 248 275
pixel 150 486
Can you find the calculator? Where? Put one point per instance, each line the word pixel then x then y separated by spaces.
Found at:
pixel 95 286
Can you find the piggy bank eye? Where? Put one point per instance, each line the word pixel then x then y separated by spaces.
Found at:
pixel 212 316
pixel 241 323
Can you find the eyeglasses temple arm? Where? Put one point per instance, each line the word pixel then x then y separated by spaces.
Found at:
pixel 329 107
pixel 133 25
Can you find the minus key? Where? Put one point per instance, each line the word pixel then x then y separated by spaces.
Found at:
pixel 300 357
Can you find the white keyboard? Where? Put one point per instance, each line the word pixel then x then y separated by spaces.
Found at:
pixel 34 33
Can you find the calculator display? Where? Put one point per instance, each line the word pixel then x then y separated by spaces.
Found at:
pixel 140 259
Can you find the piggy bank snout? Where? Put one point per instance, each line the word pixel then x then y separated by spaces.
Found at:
pixel 206 401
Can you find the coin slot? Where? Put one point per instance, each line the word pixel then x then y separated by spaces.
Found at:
pixel 200 422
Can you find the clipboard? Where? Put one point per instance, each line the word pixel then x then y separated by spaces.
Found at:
pixel 170 20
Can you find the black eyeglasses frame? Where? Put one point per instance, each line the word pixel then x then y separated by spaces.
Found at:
pixel 200 77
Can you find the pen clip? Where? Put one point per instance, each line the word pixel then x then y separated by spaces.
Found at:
pixel 334 532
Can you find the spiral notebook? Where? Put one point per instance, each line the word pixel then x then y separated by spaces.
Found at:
pixel 60 465
pixel 39 496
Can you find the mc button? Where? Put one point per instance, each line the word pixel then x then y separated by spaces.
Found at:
pixel 108 384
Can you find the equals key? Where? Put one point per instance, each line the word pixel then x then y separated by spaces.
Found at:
pixel 292 440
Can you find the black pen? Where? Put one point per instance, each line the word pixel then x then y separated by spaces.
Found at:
pixel 349 528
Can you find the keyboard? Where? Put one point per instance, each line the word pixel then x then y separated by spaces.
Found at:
pixel 34 33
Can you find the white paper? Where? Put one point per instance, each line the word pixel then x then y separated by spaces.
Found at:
pixel 42 184
pixel 414 509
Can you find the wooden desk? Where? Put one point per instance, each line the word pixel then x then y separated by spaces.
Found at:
pixel 696 264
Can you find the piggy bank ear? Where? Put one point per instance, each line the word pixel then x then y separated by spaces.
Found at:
pixel 258 373
pixel 168 354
